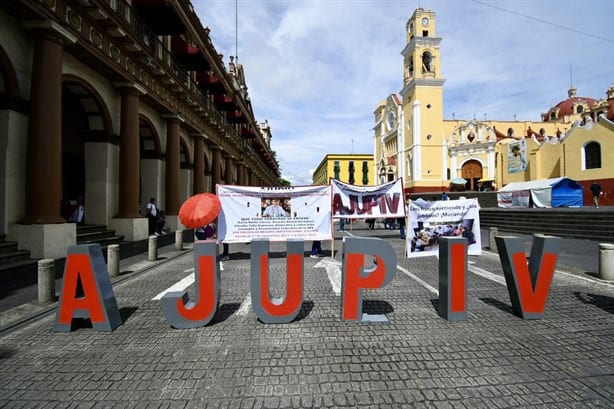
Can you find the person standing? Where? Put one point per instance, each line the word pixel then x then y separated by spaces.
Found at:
pixel 316 249
pixel 154 217
pixel 444 196
pixel 596 190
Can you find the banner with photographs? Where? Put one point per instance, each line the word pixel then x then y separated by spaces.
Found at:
pixel 517 157
pixel 362 202
pixel 428 221
pixel 297 212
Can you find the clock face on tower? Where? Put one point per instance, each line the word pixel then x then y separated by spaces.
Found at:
pixel 425 21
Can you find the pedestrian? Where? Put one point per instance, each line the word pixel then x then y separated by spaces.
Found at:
pixel 225 256
pixel 444 196
pixel 401 223
pixel 155 218
pixel 204 232
pixel 596 190
pixel 342 224
pixel 316 249
pixel 371 223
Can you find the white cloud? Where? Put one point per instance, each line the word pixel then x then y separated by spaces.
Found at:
pixel 316 69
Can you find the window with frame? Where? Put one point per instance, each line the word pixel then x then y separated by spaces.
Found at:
pixel 336 169
pixel 365 172
pixel 592 156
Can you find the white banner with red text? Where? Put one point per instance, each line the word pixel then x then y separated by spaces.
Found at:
pixel 366 202
pixel 274 213
pixel 428 221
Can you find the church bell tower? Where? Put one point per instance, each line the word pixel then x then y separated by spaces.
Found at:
pixel 423 149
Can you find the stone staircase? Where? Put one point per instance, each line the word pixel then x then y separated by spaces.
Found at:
pixel 93 233
pixel 577 223
pixel 17 269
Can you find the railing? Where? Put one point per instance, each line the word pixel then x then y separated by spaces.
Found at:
pixel 164 57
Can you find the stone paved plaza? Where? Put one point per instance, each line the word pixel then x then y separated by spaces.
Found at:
pixel 493 360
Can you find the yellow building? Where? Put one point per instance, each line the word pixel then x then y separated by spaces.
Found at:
pixel 355 169
pixel 412 140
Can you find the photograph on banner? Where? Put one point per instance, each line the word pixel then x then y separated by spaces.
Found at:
pixel 517 157
pixel 277 214
pixel 362 202
pixel 276 207
pixel 429 221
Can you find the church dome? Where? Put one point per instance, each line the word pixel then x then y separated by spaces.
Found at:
pixel 573 105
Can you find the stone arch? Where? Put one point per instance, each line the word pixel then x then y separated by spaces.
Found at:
pixel 92 105
pixel 184 155
pixel 85 120
pixel 9 86
pixel 150 165
pixel 150 140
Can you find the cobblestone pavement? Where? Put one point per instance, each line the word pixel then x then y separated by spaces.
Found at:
pixel 493 360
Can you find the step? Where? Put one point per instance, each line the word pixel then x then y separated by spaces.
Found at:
pixel 95 234
pixel 17 255
pixel 103 241
pixel 8 246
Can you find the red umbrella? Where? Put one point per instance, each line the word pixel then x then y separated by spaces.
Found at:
pixel 199 210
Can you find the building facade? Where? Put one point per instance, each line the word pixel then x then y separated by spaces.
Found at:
pixel 355 169
pixel 412 140
pixel 108 103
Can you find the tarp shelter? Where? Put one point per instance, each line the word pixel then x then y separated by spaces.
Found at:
pixel 557 192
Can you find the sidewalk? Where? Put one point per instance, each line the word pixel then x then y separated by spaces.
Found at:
pixel 22 306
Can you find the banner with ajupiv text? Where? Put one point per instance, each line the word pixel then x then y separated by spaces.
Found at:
pixel 274 213
pixel 365 202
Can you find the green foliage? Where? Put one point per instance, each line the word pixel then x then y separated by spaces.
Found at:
pixel 283 182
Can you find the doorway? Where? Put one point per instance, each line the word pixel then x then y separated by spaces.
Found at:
pixel 472 171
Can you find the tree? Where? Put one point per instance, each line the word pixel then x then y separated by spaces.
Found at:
pixel 283 182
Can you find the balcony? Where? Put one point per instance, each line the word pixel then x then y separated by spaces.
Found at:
pixel 210 82
pixel 190 56
pixel 160 15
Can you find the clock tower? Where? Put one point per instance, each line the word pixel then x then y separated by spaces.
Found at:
pixel 423 149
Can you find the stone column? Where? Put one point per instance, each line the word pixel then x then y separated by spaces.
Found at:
pixel 215 167
pixel 199 165
pixel 228 170
pixel 172 166
pixel 129 153
pixel 240 181
pixel 44 147
pixel 129 222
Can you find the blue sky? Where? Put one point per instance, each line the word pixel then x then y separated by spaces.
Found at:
pixel 316 69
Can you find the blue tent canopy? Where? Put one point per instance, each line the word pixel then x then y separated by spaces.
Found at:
pixel 557 192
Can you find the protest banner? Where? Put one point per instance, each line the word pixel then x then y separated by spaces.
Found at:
pixel 429 221
pixel 361 202
pixel 274 213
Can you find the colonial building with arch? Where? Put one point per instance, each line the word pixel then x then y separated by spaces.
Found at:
pixel 412 140
pixel 109 103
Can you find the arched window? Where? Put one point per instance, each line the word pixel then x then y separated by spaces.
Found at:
pixel 510 132
pixel 579 109
pixel 552 115
pixel 427 61
pixel 592 156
